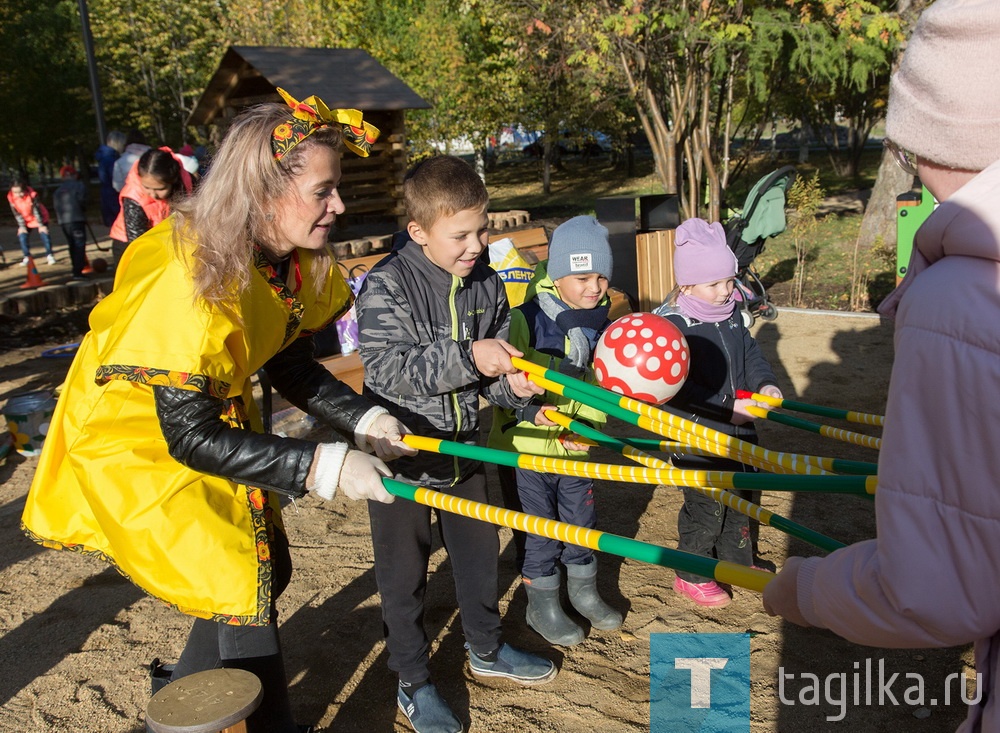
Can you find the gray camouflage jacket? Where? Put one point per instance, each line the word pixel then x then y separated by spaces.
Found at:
pixel 417 323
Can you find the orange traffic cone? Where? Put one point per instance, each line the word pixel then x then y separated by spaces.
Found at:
pixel 34 279
pixel 87 269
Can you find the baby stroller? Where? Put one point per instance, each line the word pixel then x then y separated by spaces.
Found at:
pixel 762 216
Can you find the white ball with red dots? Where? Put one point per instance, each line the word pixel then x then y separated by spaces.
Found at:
pixel 643 356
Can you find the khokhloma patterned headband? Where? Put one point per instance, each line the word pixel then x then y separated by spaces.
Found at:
pixel 312 114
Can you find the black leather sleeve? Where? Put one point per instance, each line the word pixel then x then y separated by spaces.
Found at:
pixel 134 216
pixel 304 382
pixel 199 439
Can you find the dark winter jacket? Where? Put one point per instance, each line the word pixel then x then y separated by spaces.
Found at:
pixel 417 323
pixel 69 201
pixel 724 358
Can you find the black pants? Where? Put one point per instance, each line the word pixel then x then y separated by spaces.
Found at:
pixel 512 501
pixel 76 237
pixel 401 535
pixel 566 498
pixel 708 528
pixel 256 649
pixel 118 248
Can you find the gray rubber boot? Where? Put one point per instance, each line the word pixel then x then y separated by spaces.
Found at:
pixel 545 613
pixel 582 583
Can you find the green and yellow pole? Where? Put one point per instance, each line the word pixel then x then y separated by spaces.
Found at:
pixel 721 571
pixel 642 475
pixel 671 446
pixel 792 463
pixel 732 501
pixel 700 444
pixel 666 446
pixel 844 436
pixel 863 418
pixel 588 393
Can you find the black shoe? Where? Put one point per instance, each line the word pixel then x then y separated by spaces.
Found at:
pixel 159 675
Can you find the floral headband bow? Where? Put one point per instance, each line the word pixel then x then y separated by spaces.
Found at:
pixel 312 114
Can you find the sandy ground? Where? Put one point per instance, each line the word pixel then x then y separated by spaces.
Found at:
pixel 75 637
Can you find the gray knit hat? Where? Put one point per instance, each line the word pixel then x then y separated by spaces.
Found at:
pixel 944 101
pixel 579 246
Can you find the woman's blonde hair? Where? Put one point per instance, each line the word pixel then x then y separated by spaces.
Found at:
pixel 231 209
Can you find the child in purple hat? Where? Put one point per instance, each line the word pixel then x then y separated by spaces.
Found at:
pixel 724 358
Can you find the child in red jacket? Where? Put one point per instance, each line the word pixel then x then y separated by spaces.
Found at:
pixel 30 214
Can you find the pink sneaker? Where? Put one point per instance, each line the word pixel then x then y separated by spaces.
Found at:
pixel 704 594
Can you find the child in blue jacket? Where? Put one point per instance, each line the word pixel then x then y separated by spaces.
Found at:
pixel 558 325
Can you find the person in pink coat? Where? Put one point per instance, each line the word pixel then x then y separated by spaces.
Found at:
pixel 931 577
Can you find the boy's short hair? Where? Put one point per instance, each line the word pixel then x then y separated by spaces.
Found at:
pixel 442 186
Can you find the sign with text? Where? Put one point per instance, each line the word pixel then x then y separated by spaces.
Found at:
pixel 699 682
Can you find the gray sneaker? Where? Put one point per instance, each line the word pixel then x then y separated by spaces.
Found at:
pixel 514 664
pixel 427 711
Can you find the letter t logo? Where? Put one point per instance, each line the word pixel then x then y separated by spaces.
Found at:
pixel 701 677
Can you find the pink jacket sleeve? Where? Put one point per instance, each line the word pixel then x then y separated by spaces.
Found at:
pixel 932 576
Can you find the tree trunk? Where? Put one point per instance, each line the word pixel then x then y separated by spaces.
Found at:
pixel 879 222
pixel 480 152
pixel 546 164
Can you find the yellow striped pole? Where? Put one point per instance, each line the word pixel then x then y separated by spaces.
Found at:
pixel 793 463
pixel 587 393
pixel 642 475
pixel 721 571
pixel 844 436
pixel 732 501
pixel 863 418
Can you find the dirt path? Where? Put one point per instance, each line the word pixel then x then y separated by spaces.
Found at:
pixel 74 636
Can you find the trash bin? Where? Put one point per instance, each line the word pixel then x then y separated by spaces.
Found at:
pixel 27 417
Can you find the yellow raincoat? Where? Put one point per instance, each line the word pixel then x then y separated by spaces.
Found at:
pixel 105 484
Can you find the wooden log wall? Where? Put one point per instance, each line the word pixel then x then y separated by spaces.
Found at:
pixel 374 185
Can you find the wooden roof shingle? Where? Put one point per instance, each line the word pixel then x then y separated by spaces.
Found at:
pixel 341 77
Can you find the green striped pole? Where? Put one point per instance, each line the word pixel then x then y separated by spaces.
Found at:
pixel 643 475
pixel 845 436
pixel 849 415
pixel 789 462
pixel 721 571
pixel 726 445
pixel 840 465
pixel 730 500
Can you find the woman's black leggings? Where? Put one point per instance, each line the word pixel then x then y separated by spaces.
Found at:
pixel 256 649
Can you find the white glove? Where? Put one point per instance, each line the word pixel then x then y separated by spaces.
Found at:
pixel 361 477
pixel 357 474
pixel 384 434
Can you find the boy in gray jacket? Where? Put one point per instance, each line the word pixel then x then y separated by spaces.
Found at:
pixel 70 198
pixel 433 321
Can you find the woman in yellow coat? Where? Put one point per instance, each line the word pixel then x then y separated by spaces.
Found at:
pixel 156 461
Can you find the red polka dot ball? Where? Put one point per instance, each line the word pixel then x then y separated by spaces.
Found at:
pixel 643 356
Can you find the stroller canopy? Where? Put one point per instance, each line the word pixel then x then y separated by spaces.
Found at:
pixel 763 215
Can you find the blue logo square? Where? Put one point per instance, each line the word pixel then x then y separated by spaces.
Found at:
pixel 699 682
